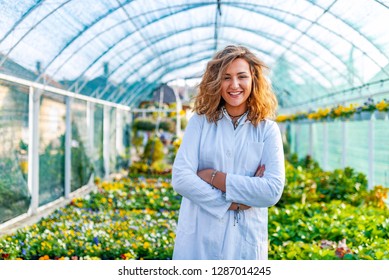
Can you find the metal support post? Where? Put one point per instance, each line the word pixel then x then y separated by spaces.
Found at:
pixel 106 141
pixel 90 124
pixel 68 146
pixel 33 150
pixel 310 150
pixel 344 144
pixel 325 146
pixel 371 154
pixel 178 111
pixel 119 132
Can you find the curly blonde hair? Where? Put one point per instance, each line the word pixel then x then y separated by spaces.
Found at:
pixel 262 102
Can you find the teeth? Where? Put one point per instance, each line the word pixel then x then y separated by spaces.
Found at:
pixel 234 93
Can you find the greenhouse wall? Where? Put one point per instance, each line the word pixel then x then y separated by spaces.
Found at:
pixel 360 144
pixel 52 143
pixel 14 195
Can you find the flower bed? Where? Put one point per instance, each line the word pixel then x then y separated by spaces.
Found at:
pixel 322 215
pixel 131 219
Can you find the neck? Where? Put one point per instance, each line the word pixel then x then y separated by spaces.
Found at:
pixel 235 113
pixel 235 116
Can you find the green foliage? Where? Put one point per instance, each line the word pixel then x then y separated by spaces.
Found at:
pixel 52 171
pixel 307 182
pixel 14 196
pixel 158 168
pixel 153 150
pixel 144 124
pixel 148 124
pixel 296 231
pixel 131 219
pixel 137 141
pixel 82 166
pixel 167 125
pixel 136 218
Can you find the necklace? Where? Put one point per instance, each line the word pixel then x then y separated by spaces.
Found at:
pixel 236 119
pixel 237 116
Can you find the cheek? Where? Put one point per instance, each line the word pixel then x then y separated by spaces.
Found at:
pixel 248 87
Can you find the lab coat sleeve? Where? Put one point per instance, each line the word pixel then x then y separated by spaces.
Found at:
pixel 185 180
pixel 261 191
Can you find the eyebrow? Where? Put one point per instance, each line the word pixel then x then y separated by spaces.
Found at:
pixel 239 73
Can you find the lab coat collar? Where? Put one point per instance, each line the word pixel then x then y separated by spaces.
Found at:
pixel 242 120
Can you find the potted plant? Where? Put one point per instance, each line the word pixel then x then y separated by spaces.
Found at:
pixel 367 109
pixel 382 109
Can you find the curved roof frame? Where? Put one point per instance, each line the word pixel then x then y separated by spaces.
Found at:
pixel 270 37
pixel 245 6
pixel 368 40
pixel 312 22
pixel 304 32
pixel 148 88
pixel 32 27
pixel 274 13
pixel 86 28
pixel 135 96
pixel 128 35
pixel 326 10
pixel 116 43
pixel 250 6
pixel 16 24
pixel 136 67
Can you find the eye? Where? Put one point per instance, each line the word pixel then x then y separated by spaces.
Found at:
pixel 227 78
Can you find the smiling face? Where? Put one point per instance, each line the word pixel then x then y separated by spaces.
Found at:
pixel 236 86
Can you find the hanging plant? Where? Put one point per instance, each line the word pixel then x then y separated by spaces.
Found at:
pixel 144 124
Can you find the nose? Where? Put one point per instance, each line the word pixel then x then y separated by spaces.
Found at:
pixel 234 83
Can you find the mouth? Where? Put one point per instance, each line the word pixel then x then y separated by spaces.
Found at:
pixel 235 93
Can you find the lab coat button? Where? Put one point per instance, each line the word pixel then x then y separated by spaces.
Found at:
pixel 228 153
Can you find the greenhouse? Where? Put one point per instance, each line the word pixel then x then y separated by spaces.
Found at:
pixel 95 97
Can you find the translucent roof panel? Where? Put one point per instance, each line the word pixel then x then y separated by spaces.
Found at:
pixel 122 50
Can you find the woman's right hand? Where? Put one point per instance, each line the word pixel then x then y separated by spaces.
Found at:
pixel 234 206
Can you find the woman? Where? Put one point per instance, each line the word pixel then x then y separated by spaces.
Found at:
pixel 230 166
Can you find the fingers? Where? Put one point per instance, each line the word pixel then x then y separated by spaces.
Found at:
pixel 234 206
pixel 260 171
pixel 244 207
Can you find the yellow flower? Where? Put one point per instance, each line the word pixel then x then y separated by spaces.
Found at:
pixel 382 106
pixel 146 245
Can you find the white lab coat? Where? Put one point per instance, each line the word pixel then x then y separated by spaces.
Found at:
pixel 206 228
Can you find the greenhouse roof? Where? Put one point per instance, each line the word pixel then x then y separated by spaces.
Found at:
pixel 318 51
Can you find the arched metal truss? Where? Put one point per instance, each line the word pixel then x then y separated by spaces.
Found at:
pixel 315 49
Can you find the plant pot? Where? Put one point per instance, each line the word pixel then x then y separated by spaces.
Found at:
pixel 380 115
pixel 346 118
pixel 329 119
pixel 366 115
pixel 357 116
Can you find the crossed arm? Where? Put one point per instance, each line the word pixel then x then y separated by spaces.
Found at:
pixel 194 185
pixel 219 182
